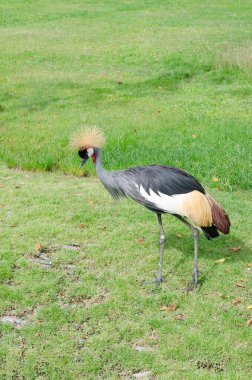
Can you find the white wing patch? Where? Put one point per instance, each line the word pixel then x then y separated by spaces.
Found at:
pixel 172 204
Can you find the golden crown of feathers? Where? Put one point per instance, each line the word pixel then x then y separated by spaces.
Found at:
pixel 88 137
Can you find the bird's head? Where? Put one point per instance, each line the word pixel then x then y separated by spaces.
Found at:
pixel 87 140
pixel 85 154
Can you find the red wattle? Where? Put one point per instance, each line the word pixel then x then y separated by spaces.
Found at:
pixel 94 158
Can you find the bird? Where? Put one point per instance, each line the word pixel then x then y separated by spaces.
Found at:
pixel 161 189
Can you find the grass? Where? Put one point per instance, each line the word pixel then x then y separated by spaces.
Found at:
pixel 87 312
pixel 169 82
pixel 151 74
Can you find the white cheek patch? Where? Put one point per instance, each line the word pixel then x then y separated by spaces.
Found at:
pixel 90 152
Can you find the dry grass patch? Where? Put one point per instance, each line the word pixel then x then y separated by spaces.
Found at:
pixel 236 56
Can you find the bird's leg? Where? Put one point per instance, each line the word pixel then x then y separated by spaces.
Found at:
pixel 159 278
pixel 195 233
pixel 196 268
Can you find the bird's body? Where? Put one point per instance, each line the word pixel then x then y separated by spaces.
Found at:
pixel 164 189
pixel 161 189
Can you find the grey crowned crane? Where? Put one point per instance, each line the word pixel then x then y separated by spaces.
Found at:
pixel 161 189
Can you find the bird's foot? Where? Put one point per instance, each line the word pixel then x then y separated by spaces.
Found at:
pixel 192 284
pixel 158 281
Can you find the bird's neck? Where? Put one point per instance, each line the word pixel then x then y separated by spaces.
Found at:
pixel 107 178
pixel 98 160
pixel 101 172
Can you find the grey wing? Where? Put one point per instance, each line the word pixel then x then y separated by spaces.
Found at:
pixel 167 180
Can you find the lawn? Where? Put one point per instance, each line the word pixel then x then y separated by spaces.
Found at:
pixel 89 312
pixel 168 82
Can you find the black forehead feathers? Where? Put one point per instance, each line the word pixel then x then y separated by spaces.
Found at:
pixel 82 152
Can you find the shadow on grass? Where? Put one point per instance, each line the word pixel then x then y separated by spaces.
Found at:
pixel 216 249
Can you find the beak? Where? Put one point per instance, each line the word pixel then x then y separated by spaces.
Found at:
pixel 83 161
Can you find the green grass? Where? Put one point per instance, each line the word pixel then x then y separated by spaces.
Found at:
pixel 150 73
pixel 88 311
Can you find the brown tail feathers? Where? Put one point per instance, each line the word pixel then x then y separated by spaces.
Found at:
pixel 219 215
